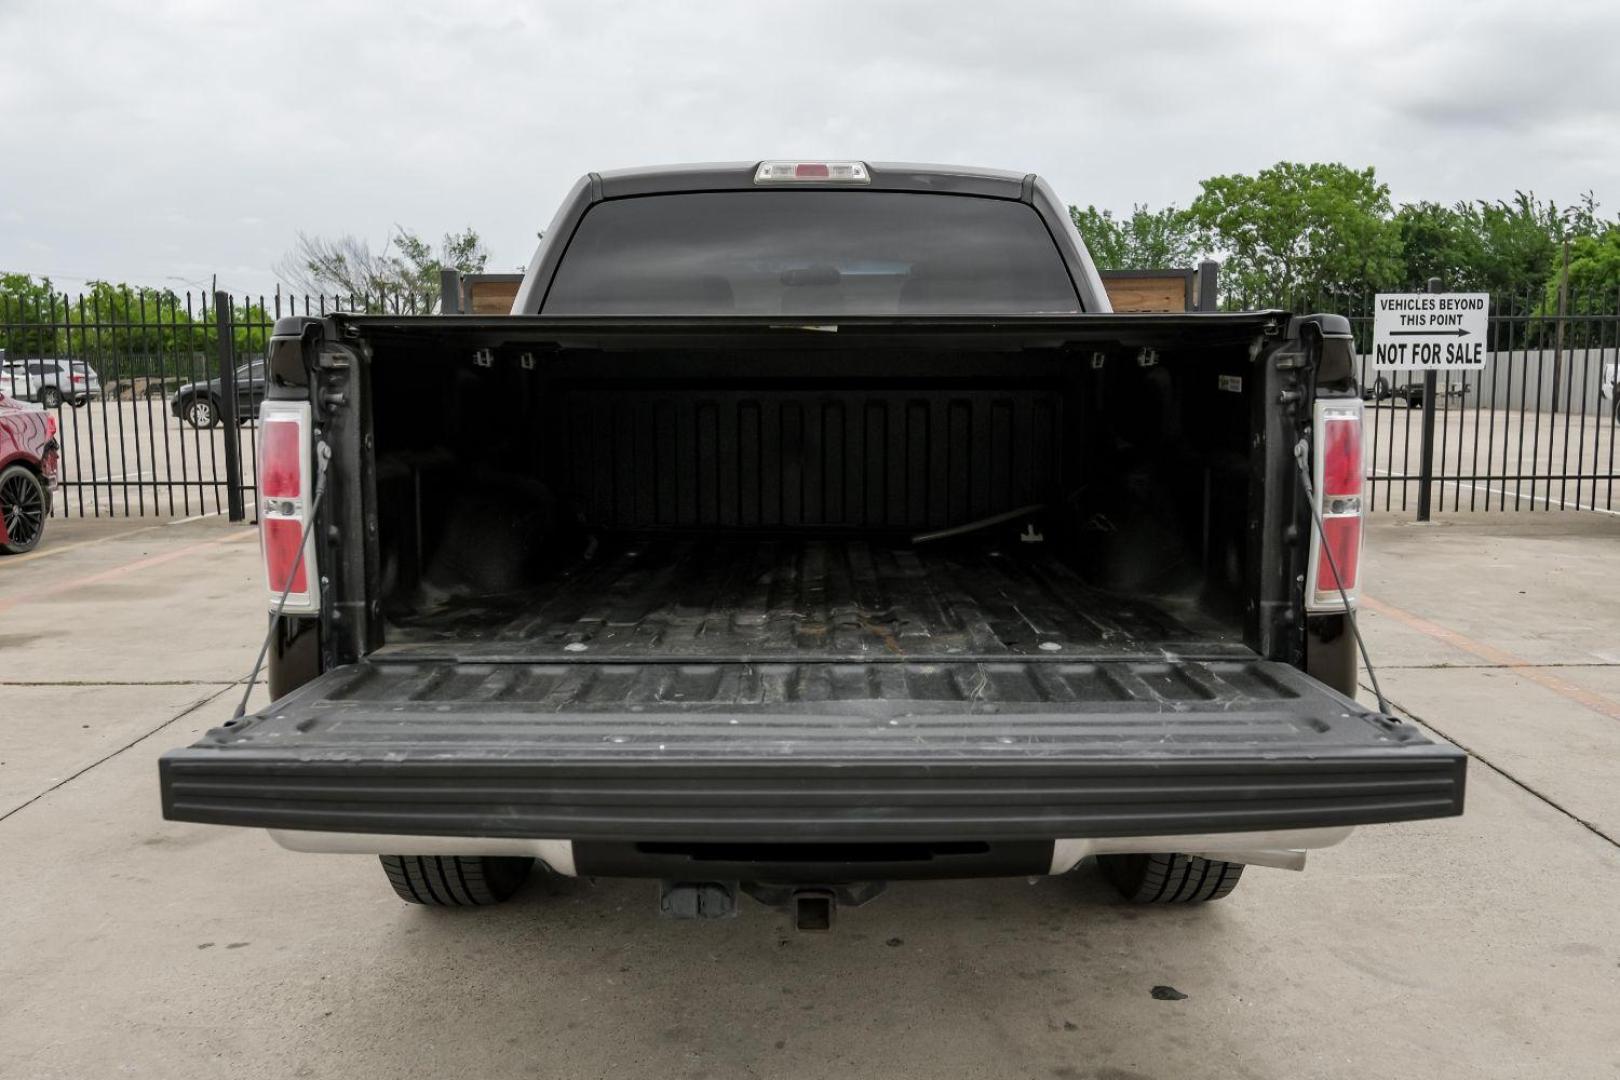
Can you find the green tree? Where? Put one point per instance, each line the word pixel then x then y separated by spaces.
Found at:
pixel 1594 275
pixel 125 331
pixel 404 275
pixel 1315 235
pixel 1518 243
pixel 1508 247
pixel 1584 218
pixel 134 331
pixel 1146 240
pixel 251 325
pixel 1440 241
pixel 419 265
pixel 28 311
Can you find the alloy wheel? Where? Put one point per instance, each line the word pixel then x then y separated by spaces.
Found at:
pixel 23 505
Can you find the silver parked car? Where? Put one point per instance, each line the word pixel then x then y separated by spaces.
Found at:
pixel 49 380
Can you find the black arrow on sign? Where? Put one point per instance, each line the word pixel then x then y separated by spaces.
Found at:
pixel 1429 333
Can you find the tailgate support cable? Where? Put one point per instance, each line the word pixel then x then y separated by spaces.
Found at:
pixel 1301 451
pixel 323 455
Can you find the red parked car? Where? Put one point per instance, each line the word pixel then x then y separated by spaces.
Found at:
pixel 29 461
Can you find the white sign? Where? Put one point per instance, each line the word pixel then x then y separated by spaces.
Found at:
pixel 1438 331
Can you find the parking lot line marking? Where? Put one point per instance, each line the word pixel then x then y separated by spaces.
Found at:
pixel 181 715
pixel 1545 500
pixel 69 584
pixel 1442 665
pixel 125 682
pixel 1599 704
pixel 1499 770
pixel 1518 496
pixel 14 560
pixel 209 514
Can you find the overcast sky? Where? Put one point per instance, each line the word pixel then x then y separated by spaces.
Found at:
pixel 162 142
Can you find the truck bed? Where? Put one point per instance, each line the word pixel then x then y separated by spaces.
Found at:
pixel 790 689
pixel 795 599
pixel 637 582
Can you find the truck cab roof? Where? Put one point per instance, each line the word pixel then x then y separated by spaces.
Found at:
pixel 884 176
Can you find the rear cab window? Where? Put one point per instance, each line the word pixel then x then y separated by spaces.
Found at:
pixel 811 253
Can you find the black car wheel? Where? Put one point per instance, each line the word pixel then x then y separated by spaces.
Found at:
pixel 200 413
pixel 22 504
pixel 50 397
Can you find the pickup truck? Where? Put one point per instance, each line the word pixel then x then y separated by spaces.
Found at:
pixel 804 527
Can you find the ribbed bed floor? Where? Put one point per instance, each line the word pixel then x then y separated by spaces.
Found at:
pixel 806 600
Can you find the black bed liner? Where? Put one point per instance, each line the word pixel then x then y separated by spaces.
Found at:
pixel 1017 749
pixel 808 599
pixel 801 690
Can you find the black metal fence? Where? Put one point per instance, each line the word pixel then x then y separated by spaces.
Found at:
pixel 156 396
pixel 1535 429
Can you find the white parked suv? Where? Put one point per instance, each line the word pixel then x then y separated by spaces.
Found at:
pixel 50 381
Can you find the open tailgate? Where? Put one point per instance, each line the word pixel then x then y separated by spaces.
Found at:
pixel 881 751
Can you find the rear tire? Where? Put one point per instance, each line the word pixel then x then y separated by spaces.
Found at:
pixel 50 397
pixel 1170 879
pixel 24 504
pixel 455 880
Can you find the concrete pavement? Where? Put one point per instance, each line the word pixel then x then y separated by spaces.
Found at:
pixel 1481 946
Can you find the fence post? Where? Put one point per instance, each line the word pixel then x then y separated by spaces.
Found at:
pixel 1426 466
pixel 1558 333
pixel 223 329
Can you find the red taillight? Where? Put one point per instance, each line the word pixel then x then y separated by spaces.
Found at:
pixel 1338 484
pixel 77 378
pixel 281 556
pixel 1341 455
pixel 1342 537
pixel 281 458
pixel 284 505
pixel 50 425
